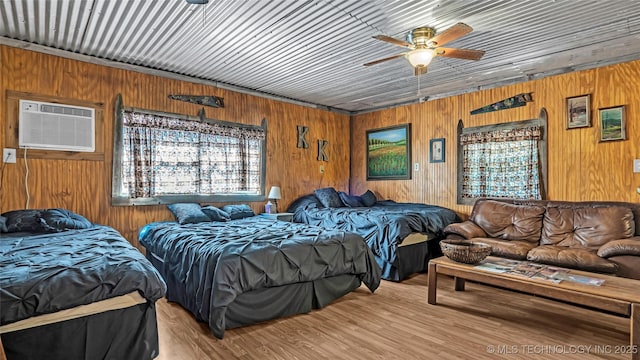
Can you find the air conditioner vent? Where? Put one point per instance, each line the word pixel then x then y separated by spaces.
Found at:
pixel 56 127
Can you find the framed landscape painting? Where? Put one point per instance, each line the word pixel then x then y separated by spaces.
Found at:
pixel 389 153
pixel 579 111
pixel 612 124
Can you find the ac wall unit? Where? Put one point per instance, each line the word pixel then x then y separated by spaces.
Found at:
pixel 56 127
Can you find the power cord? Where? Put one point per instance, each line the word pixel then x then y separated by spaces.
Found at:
pixel 26 178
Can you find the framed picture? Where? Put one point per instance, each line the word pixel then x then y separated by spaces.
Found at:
pixel 389 153
pixel 612 123
pixel 436 150
pixel 579 111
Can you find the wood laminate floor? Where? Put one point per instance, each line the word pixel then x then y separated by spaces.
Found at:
pixel 396 322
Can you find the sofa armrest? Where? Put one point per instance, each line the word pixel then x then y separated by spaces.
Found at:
pixel 467 230
pixel 630 246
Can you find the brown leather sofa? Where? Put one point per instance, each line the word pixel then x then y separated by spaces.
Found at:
pixel 601 237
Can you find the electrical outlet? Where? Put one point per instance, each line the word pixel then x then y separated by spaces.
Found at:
pixel 321 169
pixel 9 156
pixel 636 165
pixel 416 166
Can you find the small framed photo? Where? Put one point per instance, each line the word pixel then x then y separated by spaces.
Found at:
pixel 436 150
pixel 612 123
pixel 579 111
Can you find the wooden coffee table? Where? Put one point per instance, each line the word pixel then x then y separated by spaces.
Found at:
pixel 616 295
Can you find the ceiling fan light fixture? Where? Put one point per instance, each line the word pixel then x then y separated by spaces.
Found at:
pixel 420 57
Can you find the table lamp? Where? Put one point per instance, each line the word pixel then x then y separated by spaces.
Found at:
pixel 275 194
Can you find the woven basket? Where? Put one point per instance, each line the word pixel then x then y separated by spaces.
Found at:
pixel 465 251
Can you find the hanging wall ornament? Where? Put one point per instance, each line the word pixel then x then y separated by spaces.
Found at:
pixel 322 155
pixel 213 101
pixel 512 102
pixel 302 132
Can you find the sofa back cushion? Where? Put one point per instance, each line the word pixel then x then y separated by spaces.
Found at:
pixel 508 221
pixel 586 226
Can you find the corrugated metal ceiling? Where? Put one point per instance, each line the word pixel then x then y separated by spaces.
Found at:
pixel 313 51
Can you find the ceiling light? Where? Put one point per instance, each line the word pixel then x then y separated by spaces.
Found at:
pixel 420 57
pixel 198 2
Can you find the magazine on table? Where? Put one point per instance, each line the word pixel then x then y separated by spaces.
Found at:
pixel 535 271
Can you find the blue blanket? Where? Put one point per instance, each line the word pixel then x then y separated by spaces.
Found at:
pixel 214 262
pixel 45 273
pixel 383 225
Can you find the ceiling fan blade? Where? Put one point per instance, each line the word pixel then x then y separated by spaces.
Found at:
pixel 419 70
pixel 393 41
pixel 383 60
pixel 466 54
pixel 456 31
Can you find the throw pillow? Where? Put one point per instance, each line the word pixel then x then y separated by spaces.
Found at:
pixel 368 198
pixel 309 201
pixel 329 197
pixel 188 213
pixel 238 211
pixel 25 220
pixel 215 214
pixel 63 219
pixel 351 200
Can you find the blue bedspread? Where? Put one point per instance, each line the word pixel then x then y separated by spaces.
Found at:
pixel 45 273
pixel 215 262
pixel 383 225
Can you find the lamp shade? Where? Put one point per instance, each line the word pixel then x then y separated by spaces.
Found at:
pixel 420 57
pixel 275 193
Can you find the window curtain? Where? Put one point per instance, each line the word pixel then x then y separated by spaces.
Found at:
pixel 164 156
pixel 501 163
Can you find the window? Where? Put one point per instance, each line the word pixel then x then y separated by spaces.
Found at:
pixel 502 161
pixel 164 158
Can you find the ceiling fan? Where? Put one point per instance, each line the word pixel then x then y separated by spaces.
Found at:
pixel 425 44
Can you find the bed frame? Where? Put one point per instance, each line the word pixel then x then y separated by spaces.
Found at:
pixel 128 333
pixel 268 303
pixel 413 254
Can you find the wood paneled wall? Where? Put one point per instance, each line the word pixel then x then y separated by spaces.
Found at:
pixel 85 186
pixel 579 166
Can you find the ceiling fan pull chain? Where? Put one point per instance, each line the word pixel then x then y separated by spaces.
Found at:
pixel 419 86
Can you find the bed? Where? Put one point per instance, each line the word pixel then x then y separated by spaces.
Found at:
pixel 70 289
pixel 240 271
pixel 402 236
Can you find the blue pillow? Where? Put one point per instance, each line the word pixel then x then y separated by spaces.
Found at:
pixel 63 219
pixel 329 197
pixel 240 211
pixel 188 213
pixel 25 220
pixel 349 200
pixel 368 198
pixel 215 214
pixel 309 201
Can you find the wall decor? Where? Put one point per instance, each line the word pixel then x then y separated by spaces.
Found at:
pixel 512 102
pixel 436 150
pixel 213 101
pixel 579 111
pixel 612 123
pixel 322 146
pixel 389 153
pixel 302 132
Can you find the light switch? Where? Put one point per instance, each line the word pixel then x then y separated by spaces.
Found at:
pixel 636 166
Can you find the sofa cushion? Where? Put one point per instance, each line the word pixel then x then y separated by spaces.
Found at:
pixel 576 258
pixel 512 249
pixel 509 221
pixel 586 226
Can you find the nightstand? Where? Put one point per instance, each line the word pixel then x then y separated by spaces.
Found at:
pixel 279 216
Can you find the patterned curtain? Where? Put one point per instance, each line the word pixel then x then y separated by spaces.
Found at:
pixel 166 156
pixel 501 163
